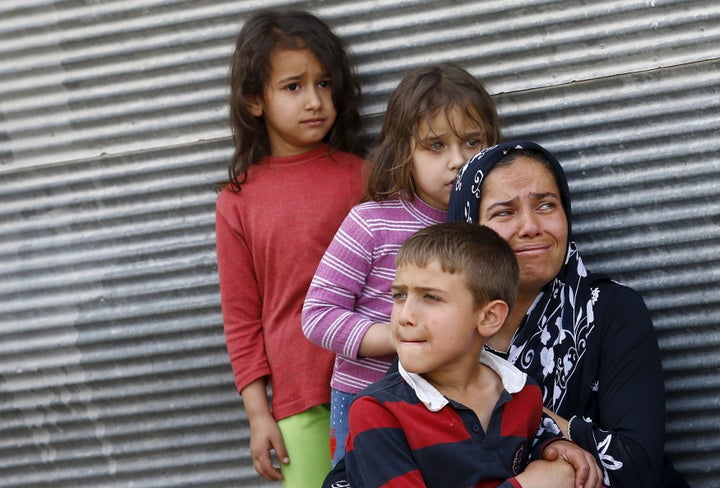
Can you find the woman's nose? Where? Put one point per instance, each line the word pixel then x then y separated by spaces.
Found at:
pixel 529 223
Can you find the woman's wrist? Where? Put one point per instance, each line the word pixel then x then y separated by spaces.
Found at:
pixel 569 425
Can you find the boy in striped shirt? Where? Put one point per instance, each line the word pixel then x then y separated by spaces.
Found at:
pixel 454 415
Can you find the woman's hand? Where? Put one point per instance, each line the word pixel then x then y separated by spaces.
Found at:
pixel 587 472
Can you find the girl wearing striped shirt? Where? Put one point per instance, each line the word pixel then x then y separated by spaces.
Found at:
pixel 437 118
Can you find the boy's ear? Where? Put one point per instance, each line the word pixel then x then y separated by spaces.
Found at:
pixel 492 317
pixel 254 105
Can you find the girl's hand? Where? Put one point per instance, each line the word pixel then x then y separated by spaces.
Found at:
pixel 587 472
pixel 265 437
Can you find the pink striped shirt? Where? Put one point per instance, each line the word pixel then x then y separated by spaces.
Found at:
pixel 351 287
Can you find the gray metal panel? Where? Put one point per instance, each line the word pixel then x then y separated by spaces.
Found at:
pixel 113 132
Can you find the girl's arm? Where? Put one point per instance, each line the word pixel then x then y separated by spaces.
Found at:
pixel 377 341
pixel 332 317
pixel 240 300
pixel 547 474
pixel 242 310
pixel 628 434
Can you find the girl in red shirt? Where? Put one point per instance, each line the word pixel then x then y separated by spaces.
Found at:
pixel 292 179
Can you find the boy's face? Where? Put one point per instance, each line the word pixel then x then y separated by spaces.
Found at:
pixel 434 320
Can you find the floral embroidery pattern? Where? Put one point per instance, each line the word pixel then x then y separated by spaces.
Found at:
pixel 560 341
pixel 608 462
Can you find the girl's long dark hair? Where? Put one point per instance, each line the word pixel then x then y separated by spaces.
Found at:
pixel 250 70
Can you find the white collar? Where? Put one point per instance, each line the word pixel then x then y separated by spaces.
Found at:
pixel 513 380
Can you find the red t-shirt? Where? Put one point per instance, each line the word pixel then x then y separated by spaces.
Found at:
pixel 270 237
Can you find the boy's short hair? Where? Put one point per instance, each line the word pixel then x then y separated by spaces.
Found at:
pixel 476 251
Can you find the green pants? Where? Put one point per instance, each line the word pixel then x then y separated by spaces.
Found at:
pixel 307 440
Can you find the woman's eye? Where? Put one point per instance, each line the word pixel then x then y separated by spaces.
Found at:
pixel 502 213
pixel 325 84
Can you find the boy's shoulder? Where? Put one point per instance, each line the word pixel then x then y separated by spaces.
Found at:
pixel 391 387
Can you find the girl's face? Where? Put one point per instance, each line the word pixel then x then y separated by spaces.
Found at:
pixel 445 142
pixel 521 202
pixel 297 106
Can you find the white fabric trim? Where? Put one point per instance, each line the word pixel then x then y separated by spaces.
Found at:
pixel 513 381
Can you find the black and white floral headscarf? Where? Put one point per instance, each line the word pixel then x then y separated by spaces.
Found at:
pixel 552 340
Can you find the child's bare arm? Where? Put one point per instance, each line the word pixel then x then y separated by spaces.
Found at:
pixel 265 435
pixel 547 474
pixel 377 341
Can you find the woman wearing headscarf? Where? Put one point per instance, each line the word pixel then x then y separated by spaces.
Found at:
pixel 587 340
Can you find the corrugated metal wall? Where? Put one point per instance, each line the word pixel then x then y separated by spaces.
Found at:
pixel 113 131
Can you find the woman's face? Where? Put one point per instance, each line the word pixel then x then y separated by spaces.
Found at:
pixel 522 203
